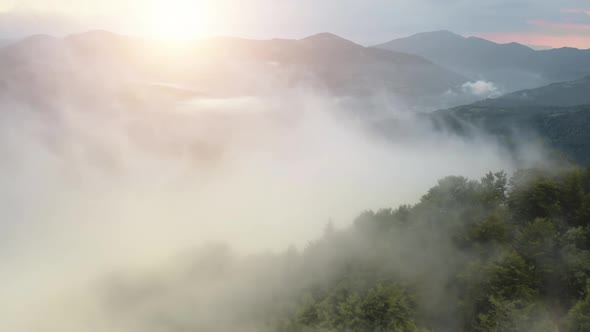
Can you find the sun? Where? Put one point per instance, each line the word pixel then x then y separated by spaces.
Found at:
pixel 176 19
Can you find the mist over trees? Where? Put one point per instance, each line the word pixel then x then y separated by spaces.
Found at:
pixel 495 254
pixel 124 160
pixel 488 255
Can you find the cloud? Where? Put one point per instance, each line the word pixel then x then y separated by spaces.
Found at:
pixel 481 88
pixel 576 11
pixel 108 186
pixel 561 25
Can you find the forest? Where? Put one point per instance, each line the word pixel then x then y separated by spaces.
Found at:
pixel 496 254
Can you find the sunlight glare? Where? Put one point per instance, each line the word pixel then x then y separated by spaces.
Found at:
pixel 177 19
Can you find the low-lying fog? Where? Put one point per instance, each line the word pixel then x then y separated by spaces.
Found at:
pixel 113 188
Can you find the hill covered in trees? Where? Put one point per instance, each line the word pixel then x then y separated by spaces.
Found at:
pixel 557 115
pixel 562 94
pixel 498 254
pixel 488 255
pixel 560 128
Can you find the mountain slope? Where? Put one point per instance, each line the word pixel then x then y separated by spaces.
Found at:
pixel 563 129
pixel 512 66
pixel 231 66
pixel 570 93
pixel 558 115
pixel 340 66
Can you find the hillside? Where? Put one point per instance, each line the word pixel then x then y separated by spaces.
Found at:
pixel 565 94
pixel 224 66
pixel 472 255
pixel 556 115
pixel 511 66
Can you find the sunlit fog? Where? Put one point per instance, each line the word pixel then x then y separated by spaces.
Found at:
pixel 215 166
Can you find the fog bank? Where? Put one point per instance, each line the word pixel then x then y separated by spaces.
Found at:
pixel 88 193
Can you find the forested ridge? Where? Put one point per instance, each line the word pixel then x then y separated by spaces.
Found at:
pixel 561 129
pixel 498 254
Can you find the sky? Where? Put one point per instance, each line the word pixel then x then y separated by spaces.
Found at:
pixel 543 23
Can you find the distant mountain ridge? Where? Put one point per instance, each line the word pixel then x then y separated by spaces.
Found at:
pixel 232 66
pixel 512 66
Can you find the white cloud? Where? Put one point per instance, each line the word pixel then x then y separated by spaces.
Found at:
pixel 482 88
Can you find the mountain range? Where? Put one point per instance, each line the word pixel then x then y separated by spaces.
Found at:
pixel 420 72
pixel 511 66
pixel 226 66
pixel 425 71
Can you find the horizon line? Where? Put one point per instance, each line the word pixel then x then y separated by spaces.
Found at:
pixel 534 47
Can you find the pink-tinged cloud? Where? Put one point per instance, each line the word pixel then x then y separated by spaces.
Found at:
pixel 537 39
pixel 560 25
pixel 576 11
